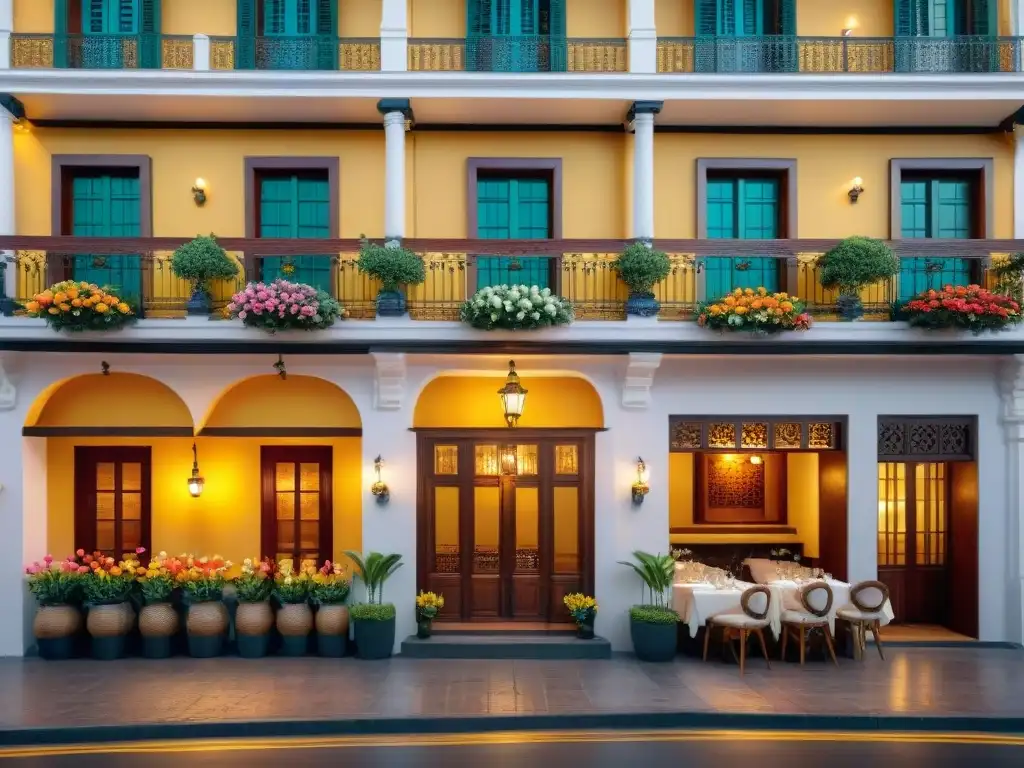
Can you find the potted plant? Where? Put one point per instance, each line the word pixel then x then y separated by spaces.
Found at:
pixel 515 308
pixel 254 617
pixel 640 267
pixel 294 617
pixel 158 620
pixel 374 620
pixel 1009 274
pixel 852 265
pixel 583 610
pixel 201 261
pixel 652 625
pixel 80 306
pixel 970 308
pixel 283 306
pixel 394 266
pixel 108 588
pixel 757 311
pixel 329 591
pixel 202 584
pixel 57 588
pixel 428 605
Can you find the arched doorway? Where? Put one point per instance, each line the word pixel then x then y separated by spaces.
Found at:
pixel 506 516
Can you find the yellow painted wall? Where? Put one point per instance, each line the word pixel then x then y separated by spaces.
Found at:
pixel 193 17
pixel 85 401
pixel 225 520
pixel 297 401
pixel 437 18
pixel 595 18
pixel 867 18
pixel 825 167
pixel 680 489
pixel 802 492
pixel 179 157
pixel 593 186
pixel 33 16
pixel 472 401
pixel 359 18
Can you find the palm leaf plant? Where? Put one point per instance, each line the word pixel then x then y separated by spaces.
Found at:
pixel 652 626
pixel 374 570
pixel 656 572
pixel 375 619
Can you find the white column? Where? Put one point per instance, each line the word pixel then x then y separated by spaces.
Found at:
pixel 862 497
pixel 394 36
pixel 201 53
pixel 1018 182
pixel 643 37
pixel 394 170
pixel 1013 421
pixel 7 220
pixel 643 169
pixel 6 28
pixel 1017 17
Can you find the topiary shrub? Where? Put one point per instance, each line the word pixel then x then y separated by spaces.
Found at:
pixel 201 261
pixel 640 267
pixel 394 266
pixel 851 265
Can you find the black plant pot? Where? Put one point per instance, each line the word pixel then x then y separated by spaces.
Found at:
pixel 294 645
pixel 199 303
pixel 252 646
pixel 850 307
pixel 653 642
pixel 391 304
pixel 108 648
pixel 424 628
pixel 56 648
pixel 642 305
pixel 331 646
pixel 585 630
pixel 205 646
pixel 374 639
pixel 156 647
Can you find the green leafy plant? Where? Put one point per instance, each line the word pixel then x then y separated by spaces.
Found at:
pixel 855 263
pixel 102 588
pixel 1009 274
pixel 373 611
pixel 331 585
pixel 641 267
pixel 291 589
pixel 374 571
pixel 392 264
pixel 156 589
pixel 56 583
pixel 255 583
pixel 201 261
pixel 656 572
pixel 653 614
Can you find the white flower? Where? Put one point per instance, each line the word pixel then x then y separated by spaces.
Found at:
pixel 479 303
pixel 496 302
pixel 535 315
pixel 520 315
pixel 514 295
pixel 550 309
pixel 525 304
pixel 508 306
pixel 534 290
pixel 546 292
pixel 536 299
pixel 494 318
pixel 487 291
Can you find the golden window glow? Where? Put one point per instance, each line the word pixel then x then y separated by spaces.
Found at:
pixel 892 513
pixel 930 518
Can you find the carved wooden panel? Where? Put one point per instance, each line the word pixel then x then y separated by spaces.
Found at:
pixel 735 484
pixel 756 433
pixel 686 436
pixel 920 438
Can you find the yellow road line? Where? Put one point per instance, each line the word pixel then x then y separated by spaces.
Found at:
pixel 506 738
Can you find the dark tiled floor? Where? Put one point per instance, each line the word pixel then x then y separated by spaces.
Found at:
pixel 928 682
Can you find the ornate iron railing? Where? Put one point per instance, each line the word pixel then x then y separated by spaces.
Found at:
pixel 580 270
pixel 77 51
pixel 782 54
pixel 525 53
pixel 295 52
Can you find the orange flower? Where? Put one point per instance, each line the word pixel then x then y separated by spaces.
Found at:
pixel 53 311
pixel 741 310
pixel 83 285
pixel 32 307
pixel 72 293
pixel 757 303
pixel 781 296
pixel 748 292
pixel 744 301
pixel 101 307
pixel 60 297
pixel 786 306
pixel 65 307
pixel 76 302
pixel 738 292
pixel 762 291
pixel 716 310
pixel 729 301
pixel 771 302
pixel 115 571
pixel 123 308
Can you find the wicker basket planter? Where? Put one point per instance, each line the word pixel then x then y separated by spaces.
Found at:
pixel 108 626
pixel 294 623
pixel 207 625
pixel 332 623
pixel 55 628
pixel 253 622
pixel 158 624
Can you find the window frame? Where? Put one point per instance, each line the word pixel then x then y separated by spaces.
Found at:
pixel 982 168
pixel 270 455
pixel 85 460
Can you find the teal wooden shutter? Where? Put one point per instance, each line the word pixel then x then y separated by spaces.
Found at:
pixel 745 209
pixel 150 46
pixel 478 33
pixel 787 57
pixel 327 32
pixel 910 17
pixel 705 25
pixel 107 206
pixel 941 208
pixel 983 17
pixel 557 35
pixel 245 44
pixel 60 34
pixel 296 207
pixel 516 209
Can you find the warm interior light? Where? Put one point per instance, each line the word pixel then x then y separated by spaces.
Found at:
pixel 196 482
pixel 640 487
pixel 379 488
pixel 858 181
pixel 755 459
pixel 509 460
pixel 201 183
pixel 513 396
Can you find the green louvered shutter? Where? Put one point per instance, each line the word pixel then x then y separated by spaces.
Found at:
pixel 983 17
pixel 478 34
pixel 910 20
pixel 107 206
pixel 60 34
pixel 705 24
pixel 327 33
pixel 557 33
pixel 787 56
pixel 150 47
pixel 516 209
pixel 245 45
pixel 940 208
pixel 745 209
pixel 296 207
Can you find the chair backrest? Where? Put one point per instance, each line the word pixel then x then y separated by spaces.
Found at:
pixel 869 596
pixel 816 599
pixel 755 601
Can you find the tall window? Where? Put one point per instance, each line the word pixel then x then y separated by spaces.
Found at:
pixel 112 499
pixel 912 514
pixel 298 515
pixel 936 206
pixel 295 205
pixel 516 35
pixel 513 208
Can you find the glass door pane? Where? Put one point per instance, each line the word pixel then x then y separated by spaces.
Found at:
pixel 486 530
pixel 446 530
pixel 567 530
pixel 527 530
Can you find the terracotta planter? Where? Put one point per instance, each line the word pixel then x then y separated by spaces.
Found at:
pixel 108 625
pixel 207 623
pixel 158 623
pixel 332 630
pixel 55 627
pixel 294 622
pixel 252 629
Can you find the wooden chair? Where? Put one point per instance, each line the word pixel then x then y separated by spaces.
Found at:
pixel 868 598
pixel 750 619
pixel 816 603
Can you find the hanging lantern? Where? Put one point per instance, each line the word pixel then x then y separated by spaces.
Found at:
pixel 513 396
pixel 195 483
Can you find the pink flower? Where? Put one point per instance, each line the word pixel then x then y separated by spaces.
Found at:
pixel 257 307
pixel 48 559
pixel 250 292
pixel 294 309
pixel 139 550
pixel 83 569
pixel 285 296
pixel 307 311
pixel 232 307
pixel 261 295
pixel 270 304
pixel 80 552
pixel 242 315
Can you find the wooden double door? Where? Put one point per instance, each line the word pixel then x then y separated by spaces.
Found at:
pixel 506 522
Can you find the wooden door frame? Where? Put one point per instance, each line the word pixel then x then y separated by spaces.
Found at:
pixel 297 454
pixel 466 481
pixel 87 456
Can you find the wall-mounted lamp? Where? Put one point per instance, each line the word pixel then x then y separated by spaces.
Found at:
pixel 640 487
pixel 513 396
pixel 196 482
pixel 379 488
pixel 848 32
pixel 279 367
pixel 199 192
pixel 755 458
pixel 104 367
pixel 856 190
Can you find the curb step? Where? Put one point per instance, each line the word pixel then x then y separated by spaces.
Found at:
pixel 515 645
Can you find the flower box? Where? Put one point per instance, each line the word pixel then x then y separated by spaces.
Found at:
pixel 515 307
pixel 756 311
pixel 970 308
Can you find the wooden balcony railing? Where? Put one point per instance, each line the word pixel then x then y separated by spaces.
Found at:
pixel 580 270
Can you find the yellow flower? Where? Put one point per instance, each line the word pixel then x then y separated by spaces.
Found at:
pixel 123 308
pixel 762 291
pixel 741 310
pixel 748 292
pixel 738 292
pixel 53 311
pixel 65 307
pixel 716 310
pixel 101 307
